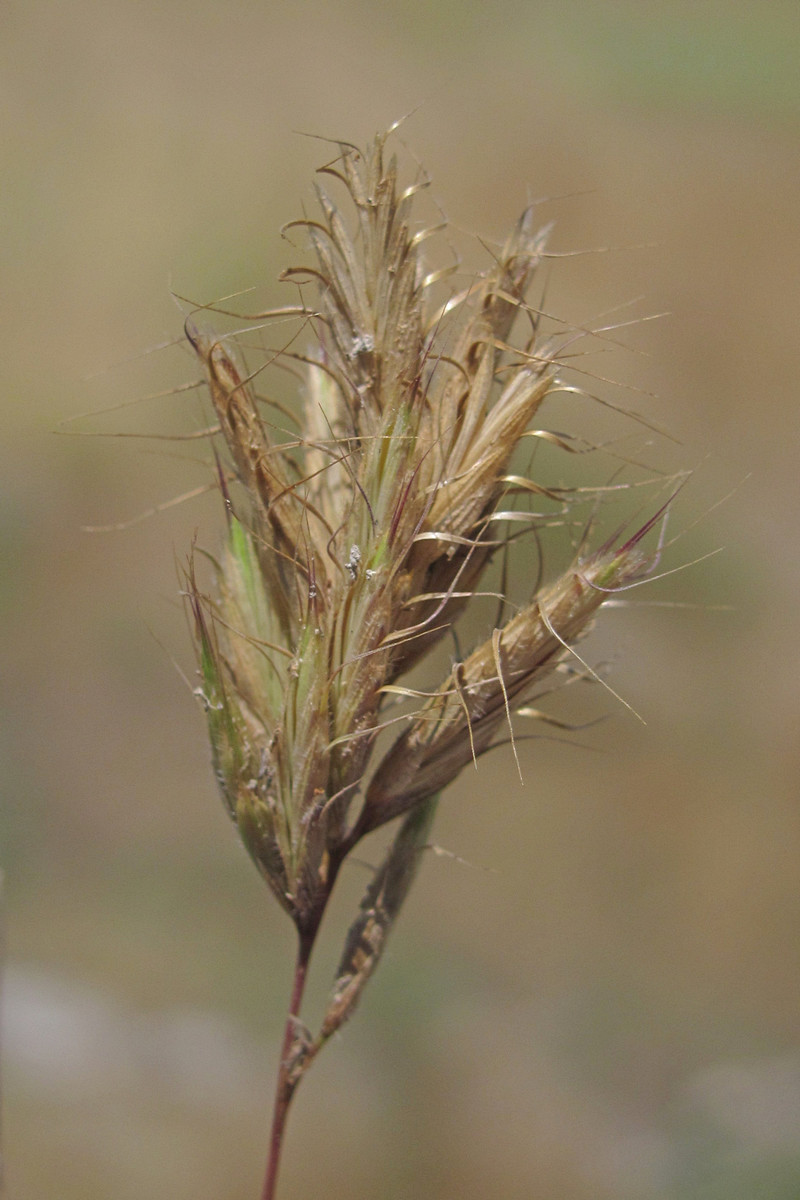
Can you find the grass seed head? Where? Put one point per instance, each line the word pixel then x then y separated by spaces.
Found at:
pixel 352 549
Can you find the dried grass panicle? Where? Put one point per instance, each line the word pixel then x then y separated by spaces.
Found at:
pixel 352 550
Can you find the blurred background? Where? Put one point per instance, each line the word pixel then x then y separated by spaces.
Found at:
pixel 602 1005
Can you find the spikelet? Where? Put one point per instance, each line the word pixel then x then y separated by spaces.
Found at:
pixel 350 554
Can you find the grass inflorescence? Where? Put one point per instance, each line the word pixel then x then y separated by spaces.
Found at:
pixel 357 541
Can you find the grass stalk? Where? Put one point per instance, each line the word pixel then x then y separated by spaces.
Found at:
pixel 355 548
pixel 286 1085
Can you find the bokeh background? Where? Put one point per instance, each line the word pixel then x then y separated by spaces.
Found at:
pixel 604 1002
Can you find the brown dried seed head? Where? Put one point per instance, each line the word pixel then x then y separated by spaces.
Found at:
pixel 354 548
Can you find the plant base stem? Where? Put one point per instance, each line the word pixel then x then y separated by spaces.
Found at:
pixel 285 1087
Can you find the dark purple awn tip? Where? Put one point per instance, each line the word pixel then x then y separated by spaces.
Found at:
pixel 610 542
pixel 223 487
pixel 401 504
pixel 192 332
pixel 197 611
pixel 648 525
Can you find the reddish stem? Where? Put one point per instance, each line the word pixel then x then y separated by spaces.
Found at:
pixel 285 1087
